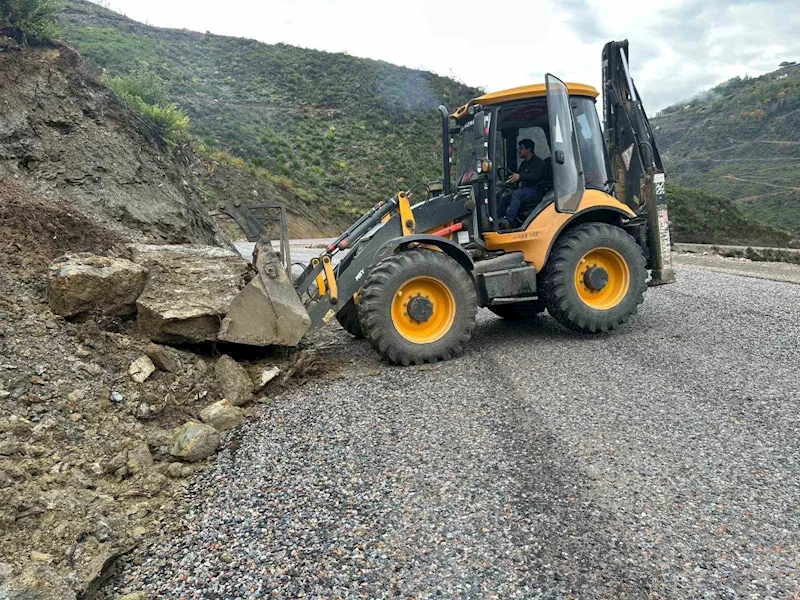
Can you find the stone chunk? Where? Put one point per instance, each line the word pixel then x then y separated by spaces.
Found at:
pixel 188 291
pixel 222 415
pixel 141 369
pixel 82 284
pixel 194 441
pixel 266 376
pixel 161 357
pixel 234 382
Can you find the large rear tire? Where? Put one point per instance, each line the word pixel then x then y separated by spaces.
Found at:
pixel 418 307
pixel 595 278
pixel 348 319
pixel 518 311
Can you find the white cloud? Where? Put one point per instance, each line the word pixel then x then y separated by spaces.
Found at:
pixel 678 47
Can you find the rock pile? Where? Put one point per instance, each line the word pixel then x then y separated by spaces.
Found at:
pixel 183 294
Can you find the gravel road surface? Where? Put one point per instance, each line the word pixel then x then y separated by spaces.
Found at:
pixel 662 460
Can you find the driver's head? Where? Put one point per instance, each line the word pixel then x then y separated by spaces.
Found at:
pixel 525 148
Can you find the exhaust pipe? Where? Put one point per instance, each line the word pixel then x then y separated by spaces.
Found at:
pixel 445 148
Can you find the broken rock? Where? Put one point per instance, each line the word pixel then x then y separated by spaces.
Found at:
pixel 188 291
pixel 266 376
pixel 222 415
pixel 87 284
pixel 234 382
pixel 141 369
pixel 194 441
pixel 161 357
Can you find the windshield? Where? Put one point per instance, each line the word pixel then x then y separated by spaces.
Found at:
pixel 467 152
pixel 590 142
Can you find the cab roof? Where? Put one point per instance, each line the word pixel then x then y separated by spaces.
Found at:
pixel 536 90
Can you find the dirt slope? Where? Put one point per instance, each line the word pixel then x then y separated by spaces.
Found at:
pixel 67 138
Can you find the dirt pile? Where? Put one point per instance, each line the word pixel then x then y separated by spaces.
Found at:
pixel 66 137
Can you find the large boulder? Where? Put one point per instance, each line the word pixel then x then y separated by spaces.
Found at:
pixel 188 292
pixel 194 441
pixel 83 283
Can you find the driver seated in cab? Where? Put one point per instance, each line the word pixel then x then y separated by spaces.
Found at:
pixel 529 175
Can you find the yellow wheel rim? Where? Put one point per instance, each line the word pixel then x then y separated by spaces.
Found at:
pixel 435 309
pixel 618 273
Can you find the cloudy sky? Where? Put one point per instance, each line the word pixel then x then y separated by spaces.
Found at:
pixel 678 47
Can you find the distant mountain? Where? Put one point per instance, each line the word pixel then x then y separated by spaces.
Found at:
pixel 338 132
pixel 740 141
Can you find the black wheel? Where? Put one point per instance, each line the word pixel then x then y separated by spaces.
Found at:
pixel 595 278
pixel 348 318
pixel 418 306
pixel 518 310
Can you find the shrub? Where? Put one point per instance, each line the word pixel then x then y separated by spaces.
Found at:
pixel 146 93
pixel 29 20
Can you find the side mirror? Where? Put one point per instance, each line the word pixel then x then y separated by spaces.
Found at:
pixel 479 134
pixel 478 129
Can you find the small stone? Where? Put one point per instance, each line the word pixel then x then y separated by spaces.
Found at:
pixel 234 382
pixel 222 415
pixel 194 441
pixel 82 352
pixel 9 447
pixel 175 470
pixel 138 532
pixel 141 369
pixel 5 480
pixel 75 396
pixel 134 596
pixel 41 557
pixel 266 376
pixel 200 366
pixel 38 380
pixel 75 417
pixel 116 397
pixel 5 571
pixel 161 357
pixel 139 458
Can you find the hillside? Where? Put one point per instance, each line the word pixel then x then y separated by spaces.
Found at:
pixel 67 140
pixel 740 141
pixel 336 132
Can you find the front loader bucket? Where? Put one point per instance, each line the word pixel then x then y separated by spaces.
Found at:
pixel 268 310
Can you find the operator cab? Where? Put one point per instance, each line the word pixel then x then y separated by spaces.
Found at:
pixel 560 119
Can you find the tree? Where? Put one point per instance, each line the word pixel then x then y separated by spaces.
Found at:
pixel 29 20
pixel 786 64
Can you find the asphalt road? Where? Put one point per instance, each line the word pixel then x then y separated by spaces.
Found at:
pixel 662 460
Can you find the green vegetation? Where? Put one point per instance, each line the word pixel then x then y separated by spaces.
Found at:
pixel 740 141
pixel 29 20
pixel 338 132
pixel 147 93
pixel 701 218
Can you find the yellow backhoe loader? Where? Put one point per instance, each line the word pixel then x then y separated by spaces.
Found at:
pixel 410 276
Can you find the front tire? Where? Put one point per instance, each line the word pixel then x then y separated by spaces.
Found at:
pixel 595 278
pixel 418 307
